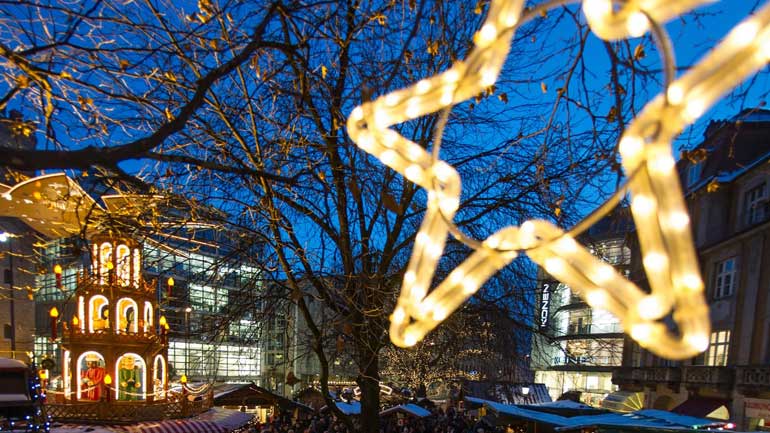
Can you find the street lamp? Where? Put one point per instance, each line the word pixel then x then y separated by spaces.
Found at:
pixel 8 237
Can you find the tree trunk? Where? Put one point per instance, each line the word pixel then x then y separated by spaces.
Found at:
pixel 369 382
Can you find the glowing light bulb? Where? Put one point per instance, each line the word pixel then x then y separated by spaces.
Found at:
pixel 366 141
pixel 603 274
pixel 392 99
pixel 695 108
pixel 412 109
pixel 414 173
pixel 442 171
pixel 642 205
pixel 630 146
pixel 409 277
pixel 596 298
pixel 511 19
pixel 692 282
pixel 662 164
pixel 399 315
pixel 637 24
pixel 675 94
pixel 423 86
pixel 641 332
pixel 451 76
pixel 456 277
pixel 555 265
pixel 678 220
pixel 597 8
pixel 655 261
pixel 488 77
pixel 486 35
pixel 567 244
pixel 744 33
pixel 410 338
pixel 698 341
pixel 650 307
pixel 470 285
pixel 388 157
pixel 439 314
pixel 357 113
pixel 449 205
pixel 447 96
pixel 421 238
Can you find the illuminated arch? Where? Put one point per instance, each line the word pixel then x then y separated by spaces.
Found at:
pixel 96 306
pixel 95 259
pixel 79 370
pixel 143 377
pixel 123 259
pixel 105 258
pixel 66 375
pixel 82 313
pixel 147 316
pixel 137 267
pixel 159 376
pixel 121 318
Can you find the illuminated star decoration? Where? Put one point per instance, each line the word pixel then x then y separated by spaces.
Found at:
pixel 657 202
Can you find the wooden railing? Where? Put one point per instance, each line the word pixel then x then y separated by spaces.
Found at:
pixel 120 412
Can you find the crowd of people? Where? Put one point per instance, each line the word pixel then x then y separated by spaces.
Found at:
pixel 449 421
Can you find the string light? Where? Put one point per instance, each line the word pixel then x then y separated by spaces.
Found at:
pixel 657 203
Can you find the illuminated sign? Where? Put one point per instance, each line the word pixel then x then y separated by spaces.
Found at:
pixel 545 305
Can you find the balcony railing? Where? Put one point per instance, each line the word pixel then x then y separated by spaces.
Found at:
pixel 604 361
pixel 701 375
pixel 690 375
pixel 753 376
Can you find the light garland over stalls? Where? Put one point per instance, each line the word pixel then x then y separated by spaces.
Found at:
pixel 657 203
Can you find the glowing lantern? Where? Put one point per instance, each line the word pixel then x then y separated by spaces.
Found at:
pixel 54 313
pixel 169 285
pixel 183 379
pixel 57 271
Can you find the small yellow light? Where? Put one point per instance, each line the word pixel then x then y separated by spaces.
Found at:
pixel 692 282
pixel 630 146
pixel 410 338
pixel 399 315
pixel 637 24
pixel 675 94
pixel 75 321
pixel 183 379
pixel 414 173
pixel 744 33
pixel 439 314
pixel 678 220
pixel 54 312
pixel 603 274
pixel 597 8
pixel 409 277
pixel 388 157
pixel 650 307
pixel 107 379
pixel 486 35
pixel 451 76
pixel 567 244
pixel 57 269
pixel 654 261
pixel 357 113
pixel 641 332
pixel 170 281
pixel 110 265
pixel 423 86
pixel 555 266
pixel 162 321
pixel 642 205
pixel 470 285
pixel 43 374
pixel 392 99
pixel 695 108
pixel 597 298
pixel 699 341
pixel 662 164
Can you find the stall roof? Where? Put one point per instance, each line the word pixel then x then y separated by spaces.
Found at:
pixel 249 394
pixel 650 418
pixel 352 408
pixel 409 409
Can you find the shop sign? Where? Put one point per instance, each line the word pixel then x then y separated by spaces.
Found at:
pixel 757 408
pixel 545 305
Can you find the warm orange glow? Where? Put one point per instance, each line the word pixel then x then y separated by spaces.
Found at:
pixel 57 269
pixel 162 321
pixel 43 374
pixel 107 379
pixel 75 321
pixel 54 312
pixel 110 265
pixel 183 379
pixel 170 281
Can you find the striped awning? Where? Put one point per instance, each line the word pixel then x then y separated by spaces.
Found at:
pixel 216 420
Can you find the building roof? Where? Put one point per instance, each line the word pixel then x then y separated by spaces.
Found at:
pixel 730 148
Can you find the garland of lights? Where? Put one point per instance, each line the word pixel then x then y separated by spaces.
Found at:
pixel 657 202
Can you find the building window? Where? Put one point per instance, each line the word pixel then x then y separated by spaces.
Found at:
pixel 724 278
pixel 720 345
pixel 693 172
pixel 755 205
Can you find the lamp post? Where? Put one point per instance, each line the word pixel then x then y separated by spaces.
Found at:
pixel 187 312
pixel 8 237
